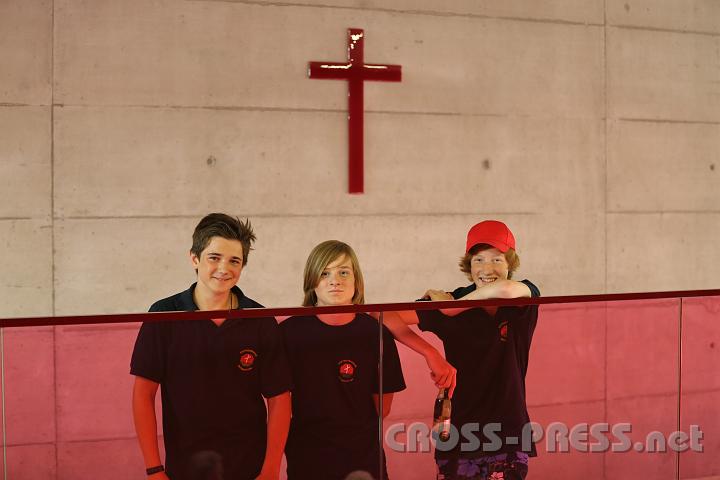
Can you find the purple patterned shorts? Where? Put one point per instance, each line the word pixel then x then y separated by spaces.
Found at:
pixel 506 466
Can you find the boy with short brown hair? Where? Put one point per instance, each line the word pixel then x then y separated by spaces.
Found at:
pixel 213 373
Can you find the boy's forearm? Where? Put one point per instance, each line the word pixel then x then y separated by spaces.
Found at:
pixel 398 327
pixel 279 413
pixel 442 373
pixel 145 421
pixel 499 289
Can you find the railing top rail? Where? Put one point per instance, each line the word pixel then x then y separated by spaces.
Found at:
pixel 373 307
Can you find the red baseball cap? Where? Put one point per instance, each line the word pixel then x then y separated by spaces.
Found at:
pixel 493 233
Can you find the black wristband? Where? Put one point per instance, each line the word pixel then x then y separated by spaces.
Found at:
pixel 154 470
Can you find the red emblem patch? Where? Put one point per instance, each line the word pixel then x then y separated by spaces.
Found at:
pixel 503 327
pixel 346 370
pixel 247 359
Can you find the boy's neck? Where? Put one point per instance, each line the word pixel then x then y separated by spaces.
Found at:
pixel 207 300
pixel 336 319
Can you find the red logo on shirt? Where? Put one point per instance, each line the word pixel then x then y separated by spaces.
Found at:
pixel 247 359
pixel 346 370
pixel 503 327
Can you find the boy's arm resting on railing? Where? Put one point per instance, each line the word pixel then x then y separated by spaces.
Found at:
pixel 441 372
pixel 278 424
pixel 143 403
pixel 497 289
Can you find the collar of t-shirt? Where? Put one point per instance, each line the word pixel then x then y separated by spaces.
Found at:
pixel 187 302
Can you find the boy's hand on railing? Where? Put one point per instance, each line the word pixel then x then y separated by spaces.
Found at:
pixel 437 295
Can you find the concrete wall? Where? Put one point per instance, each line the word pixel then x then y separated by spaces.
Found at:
pixel 591 127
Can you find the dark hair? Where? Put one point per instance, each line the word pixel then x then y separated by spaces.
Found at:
pixel 512 258
pixel 225 226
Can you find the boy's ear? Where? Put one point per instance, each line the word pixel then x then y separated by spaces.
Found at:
pixel 194 260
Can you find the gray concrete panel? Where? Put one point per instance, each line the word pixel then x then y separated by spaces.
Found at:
pixel 249 55
pixel 401 257
pixel 584 11
pixel 663 75
pixel 686 16
pixel 25 171
pixel 142 161
pixel 108 266
pixel 26 51
pixel 26 257
pixel 660 252
pixel 668 167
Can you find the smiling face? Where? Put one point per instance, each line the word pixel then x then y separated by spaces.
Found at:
pixel 487 266
pixel 218 266
pixel 337 283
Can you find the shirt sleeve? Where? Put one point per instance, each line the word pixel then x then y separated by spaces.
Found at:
pixel 274 369
pixel 534 291
pixel 431 321
pixel 437 322
pixel 150 352
pixel 393 379
pixel 524 322
pixel 148 357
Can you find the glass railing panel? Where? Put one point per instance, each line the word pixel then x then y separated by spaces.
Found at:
pixel 566 387
pixel 699 442
pixel 642 386
pixel 594 366
pixel 29 406
pixel 93 400
pixel 407 437
pixel 3 434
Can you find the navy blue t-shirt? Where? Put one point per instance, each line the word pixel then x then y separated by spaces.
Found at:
pixel 334 428
pixel 213 380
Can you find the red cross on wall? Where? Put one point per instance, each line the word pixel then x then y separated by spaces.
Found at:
pixel 355 71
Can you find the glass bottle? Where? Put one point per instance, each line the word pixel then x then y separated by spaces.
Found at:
pixel 441 415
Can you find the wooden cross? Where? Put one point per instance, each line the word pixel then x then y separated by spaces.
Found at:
pixel 355 71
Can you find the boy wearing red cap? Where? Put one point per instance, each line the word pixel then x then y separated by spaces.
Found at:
pixel 489 347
